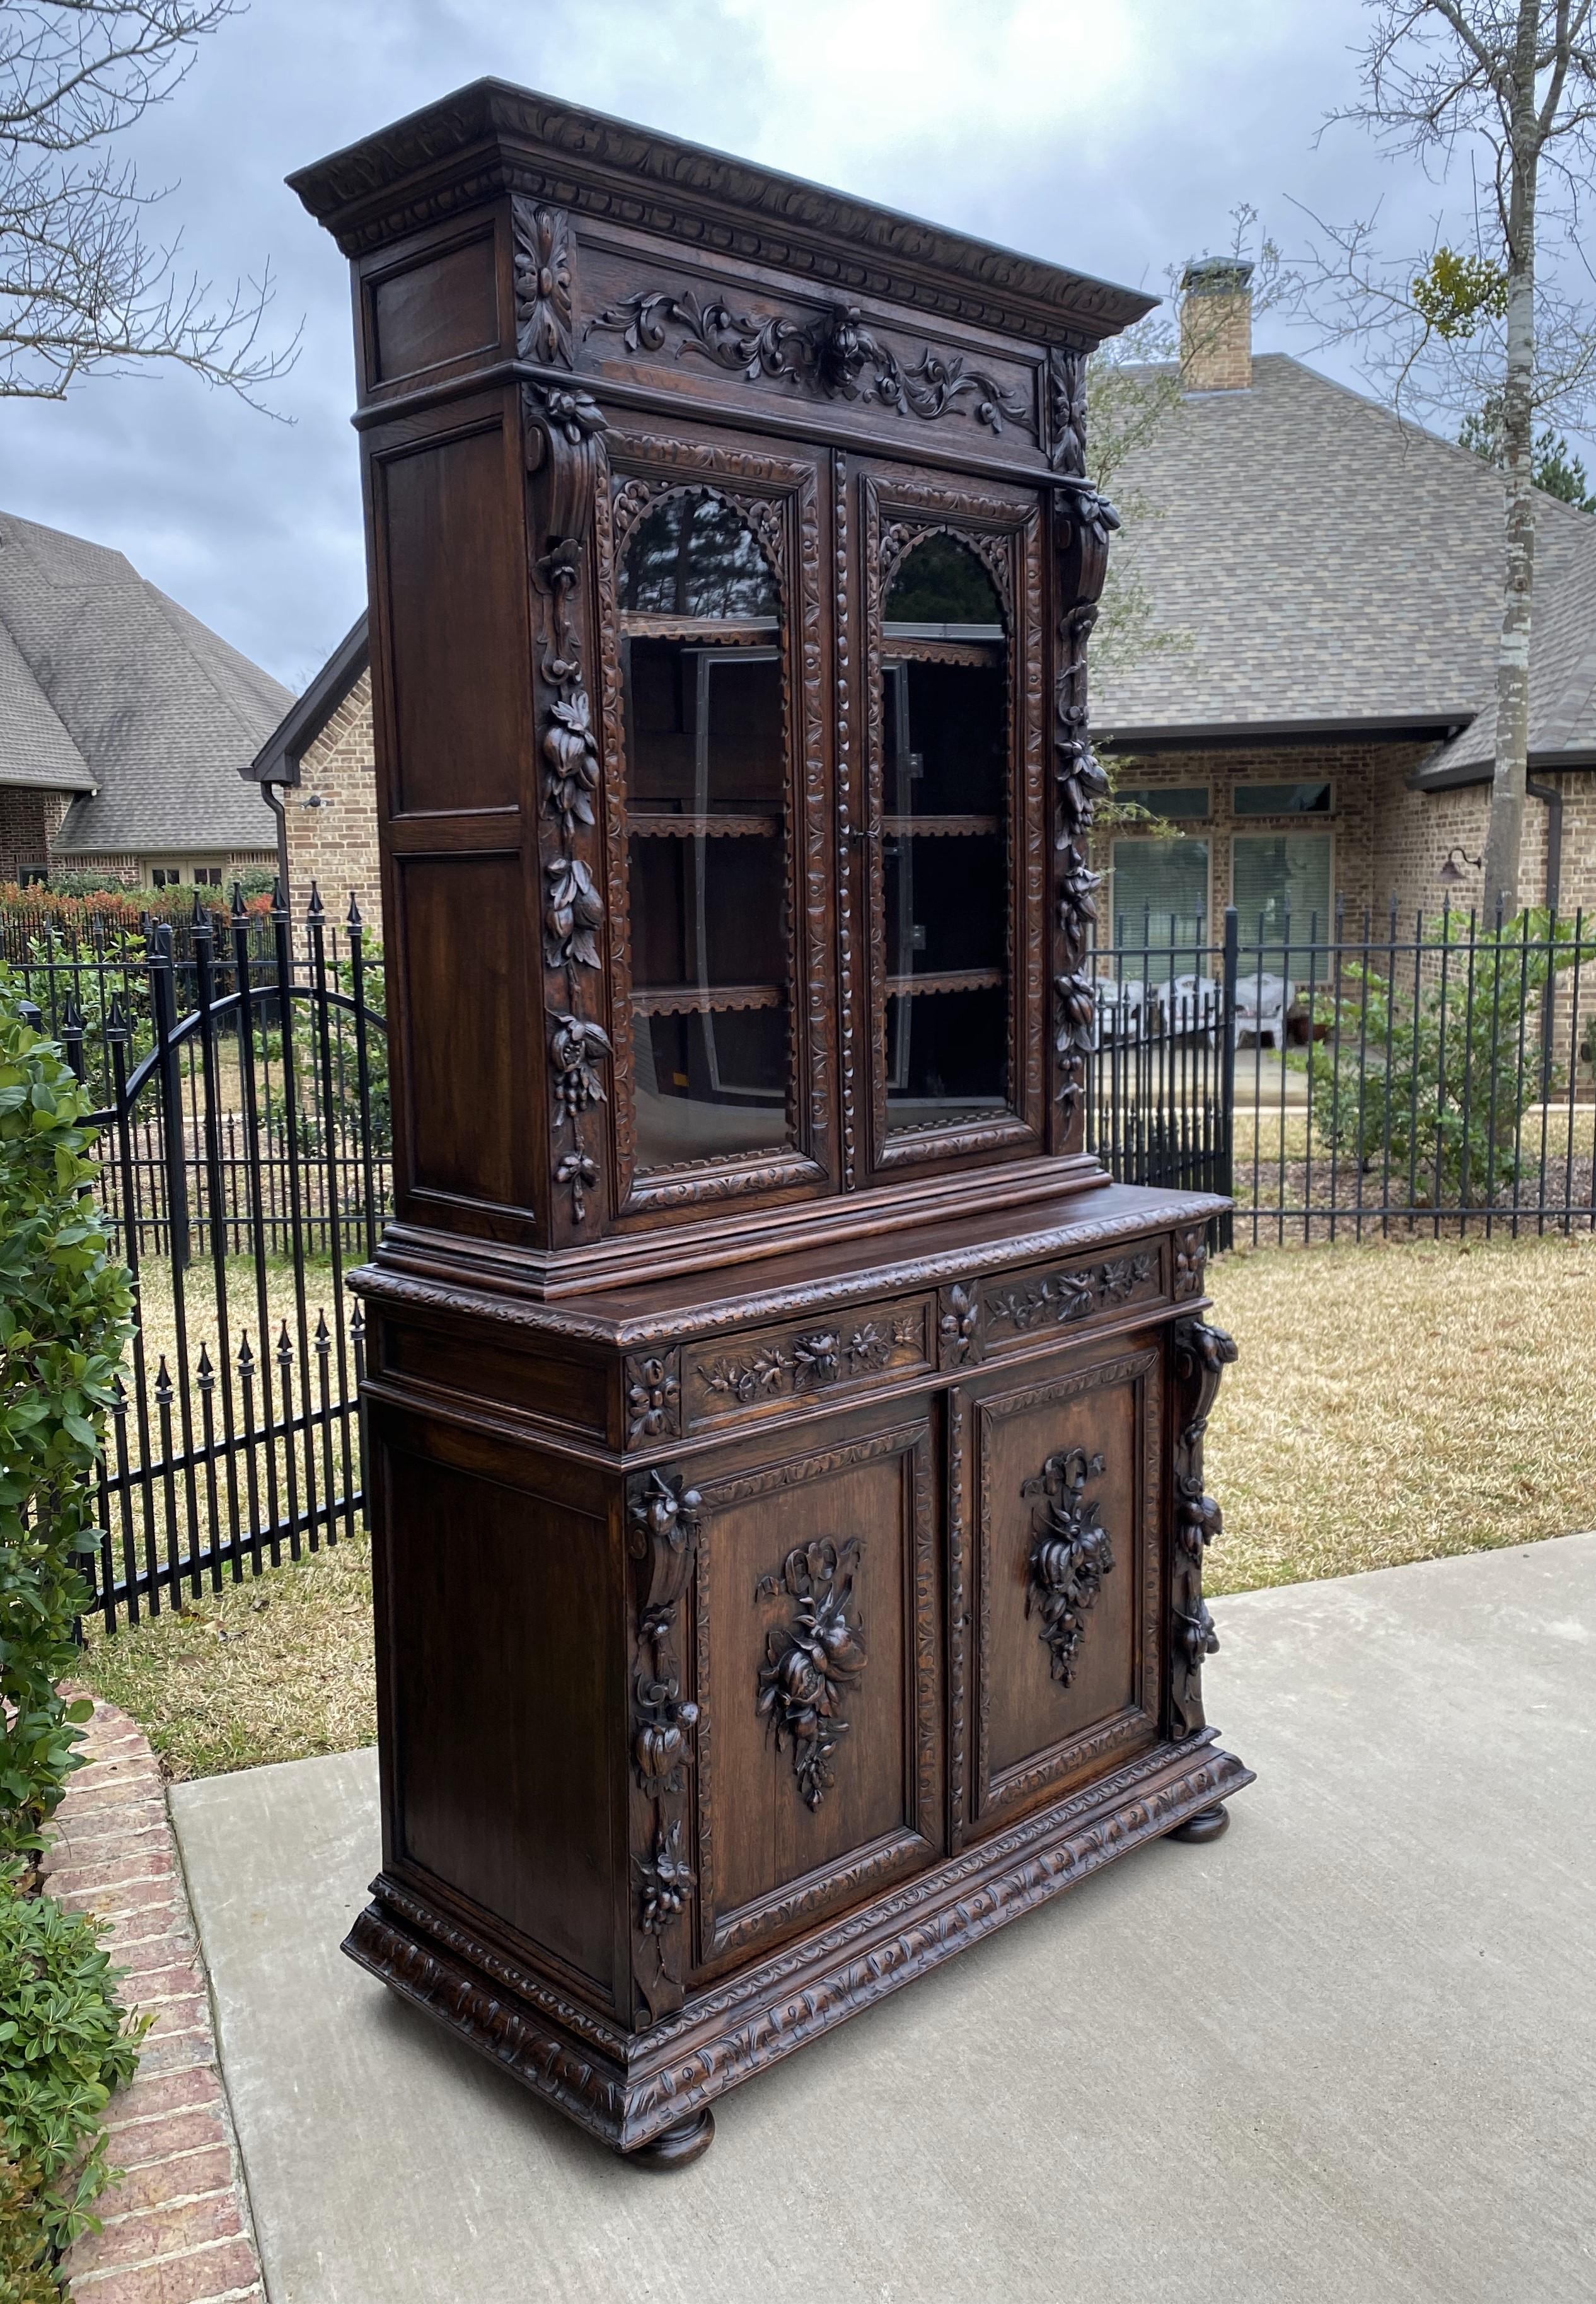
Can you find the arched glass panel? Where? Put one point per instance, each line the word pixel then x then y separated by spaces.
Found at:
pixel 945 808
pixel 706 812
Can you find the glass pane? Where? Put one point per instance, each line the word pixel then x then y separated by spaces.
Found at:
pixel 1282 800
pixel 1171 800
pixel 1289 874
pixel 1159 898
pixel 945 840
pixel 707 837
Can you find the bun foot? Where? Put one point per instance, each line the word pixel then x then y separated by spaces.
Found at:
pixel 1208 1823
pixel 675 2147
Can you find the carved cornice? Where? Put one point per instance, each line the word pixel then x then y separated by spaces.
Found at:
pixel 493 137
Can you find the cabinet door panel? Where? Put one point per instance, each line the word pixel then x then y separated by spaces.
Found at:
pixel 1066 1579
pixel 818 1642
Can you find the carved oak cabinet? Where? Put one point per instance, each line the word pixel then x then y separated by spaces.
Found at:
pixel 786 1443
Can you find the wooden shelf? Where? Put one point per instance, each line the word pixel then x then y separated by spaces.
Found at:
pixel 727 632
pixel 947 980
pixel 654 824
pixel 939 827
pixel 693 999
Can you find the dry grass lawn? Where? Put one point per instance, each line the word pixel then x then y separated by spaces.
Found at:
pixel 1398 1403
pixel 1390 1404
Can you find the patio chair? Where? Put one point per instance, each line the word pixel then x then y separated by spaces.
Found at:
pixel 1121 1009
pixel 1261 1009
pixel 1192 1004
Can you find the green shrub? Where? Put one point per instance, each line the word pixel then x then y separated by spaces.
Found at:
pixel 64 1311
pixel 25 2251
pixel 64 2046
pixel 1435 1081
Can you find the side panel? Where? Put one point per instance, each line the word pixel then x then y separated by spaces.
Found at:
pixel 499 1615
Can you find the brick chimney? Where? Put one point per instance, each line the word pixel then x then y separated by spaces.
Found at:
pixel 1216 324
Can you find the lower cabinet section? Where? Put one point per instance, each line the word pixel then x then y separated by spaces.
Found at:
pixel 689 1758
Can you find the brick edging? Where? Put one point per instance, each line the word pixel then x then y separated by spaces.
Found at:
pixel 176 2226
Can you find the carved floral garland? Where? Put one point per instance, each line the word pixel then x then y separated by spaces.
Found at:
pixel 811 1662
pixel 1070 1556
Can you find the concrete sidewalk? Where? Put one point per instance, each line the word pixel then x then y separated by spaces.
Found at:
pixel 1348 2052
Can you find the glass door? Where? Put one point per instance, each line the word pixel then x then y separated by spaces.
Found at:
pixel 706 827
pixel 953 783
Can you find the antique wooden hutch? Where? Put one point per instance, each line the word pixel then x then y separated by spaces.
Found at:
pixel 785 1441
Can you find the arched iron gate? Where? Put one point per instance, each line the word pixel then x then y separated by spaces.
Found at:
pixel 244 1170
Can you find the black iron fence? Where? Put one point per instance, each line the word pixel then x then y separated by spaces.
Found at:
pixel 1401 1079
pixel 241 1079
pixel 1432 1077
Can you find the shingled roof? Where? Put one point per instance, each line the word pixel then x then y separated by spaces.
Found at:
pixel 110 690
pixel 1337 570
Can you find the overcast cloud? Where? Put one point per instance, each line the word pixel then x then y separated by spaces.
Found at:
pixel 1114 135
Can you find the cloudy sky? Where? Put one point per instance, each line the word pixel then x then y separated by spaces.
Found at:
pixel 1114 135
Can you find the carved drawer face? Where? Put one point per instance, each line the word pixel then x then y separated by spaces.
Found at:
pixel 1056 1549
pixel 817 1670
pixel 1032 1307
pixel 770 1370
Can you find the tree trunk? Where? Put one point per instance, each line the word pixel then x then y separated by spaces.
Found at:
pixel 1505 833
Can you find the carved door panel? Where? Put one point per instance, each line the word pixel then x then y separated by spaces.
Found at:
pixel 818 1643
pixel 948 900
pixel 1057 1573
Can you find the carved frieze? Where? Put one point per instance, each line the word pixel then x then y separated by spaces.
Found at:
pixel 1202 1354
pixel 833 354
pixel 1058 1298
pixel 811 1661
pixel 1070 1555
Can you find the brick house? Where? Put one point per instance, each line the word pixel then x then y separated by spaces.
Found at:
pixel 123 722
pixel 1324 731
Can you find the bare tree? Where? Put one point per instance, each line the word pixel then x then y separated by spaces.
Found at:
pixel 81 288
pixel 1501 94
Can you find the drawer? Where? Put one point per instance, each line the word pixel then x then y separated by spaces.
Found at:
pixel 764 1371
pixel 1028 1307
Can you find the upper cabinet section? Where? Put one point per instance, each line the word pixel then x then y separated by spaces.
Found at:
pixel 733 559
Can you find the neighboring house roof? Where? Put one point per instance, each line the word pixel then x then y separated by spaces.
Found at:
pixel 1337 570
pixel 111 691
pixel 277 762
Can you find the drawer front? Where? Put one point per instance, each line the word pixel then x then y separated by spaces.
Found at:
pixel 1030 1307
pixel 764 1371
pixel 1056 1573
pixel 817 1647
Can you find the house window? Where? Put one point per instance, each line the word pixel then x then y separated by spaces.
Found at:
pixel 1281 800
pixel 1159 894
pixel 1282 876
pixel 1173 802
pixel 165 876
pixel 207 875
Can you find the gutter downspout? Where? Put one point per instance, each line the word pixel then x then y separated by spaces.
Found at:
pixel 1552 798
pixel 273 796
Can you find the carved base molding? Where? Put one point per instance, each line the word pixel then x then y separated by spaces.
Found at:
pixel 636 2087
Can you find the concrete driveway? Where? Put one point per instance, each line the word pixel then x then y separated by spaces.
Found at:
pixel 1348 2052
